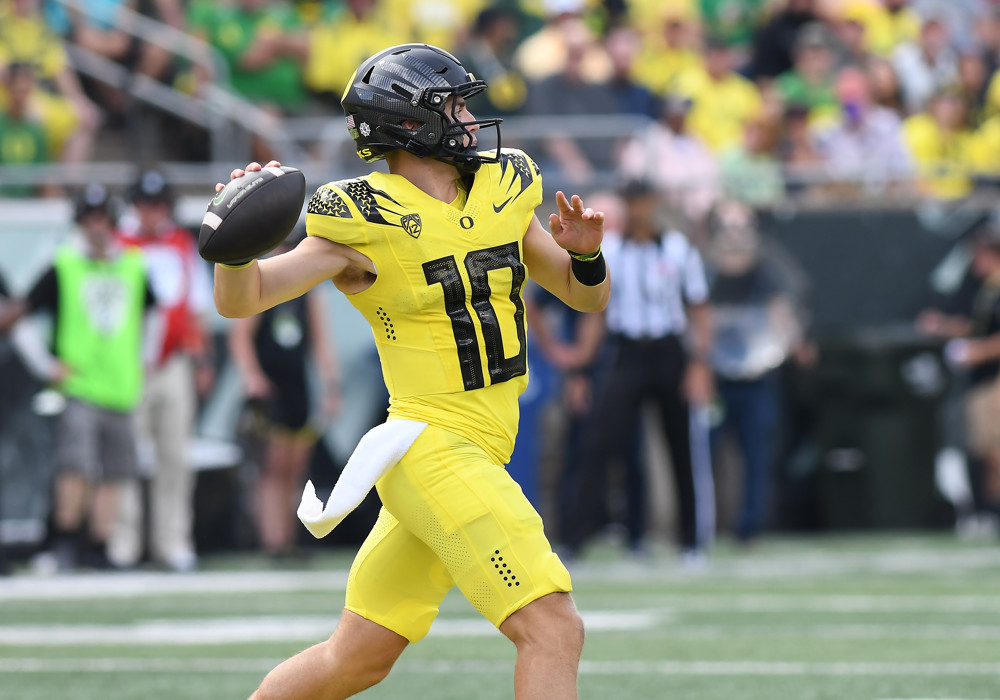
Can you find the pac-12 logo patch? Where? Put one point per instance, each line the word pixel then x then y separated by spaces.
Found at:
pixel 411 224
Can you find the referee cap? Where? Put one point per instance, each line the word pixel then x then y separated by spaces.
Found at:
pixel 94 197
pixel 151 187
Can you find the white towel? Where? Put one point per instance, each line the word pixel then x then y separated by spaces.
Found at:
pixel 377 452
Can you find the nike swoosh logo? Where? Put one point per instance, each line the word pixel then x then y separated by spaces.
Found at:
pixel 499 208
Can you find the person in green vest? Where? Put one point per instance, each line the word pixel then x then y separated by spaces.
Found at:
pixel 100 301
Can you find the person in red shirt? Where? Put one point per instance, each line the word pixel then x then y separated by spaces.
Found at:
pixel 166 417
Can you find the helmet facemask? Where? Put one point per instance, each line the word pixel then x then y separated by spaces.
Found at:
pixel 446 138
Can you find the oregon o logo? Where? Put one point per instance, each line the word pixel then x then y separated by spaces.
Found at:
pixel 466 222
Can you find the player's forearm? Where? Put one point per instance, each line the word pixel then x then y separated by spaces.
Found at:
pixel 587 297
pixel 702 334
pixel 237 290
pixel 984 350
pixel 11 311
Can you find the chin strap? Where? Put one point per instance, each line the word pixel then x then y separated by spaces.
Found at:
pixel 377 452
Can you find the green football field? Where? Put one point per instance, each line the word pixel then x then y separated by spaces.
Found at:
pixel 860 617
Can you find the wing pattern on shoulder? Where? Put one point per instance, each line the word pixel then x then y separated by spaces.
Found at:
pixel 517 173
pixel 328 202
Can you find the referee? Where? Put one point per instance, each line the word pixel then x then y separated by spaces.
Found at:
pixel 659 336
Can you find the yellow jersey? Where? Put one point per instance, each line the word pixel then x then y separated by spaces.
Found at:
pixel 945 161
pixel 446 308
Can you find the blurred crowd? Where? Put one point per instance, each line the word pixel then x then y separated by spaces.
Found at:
pixel 747 98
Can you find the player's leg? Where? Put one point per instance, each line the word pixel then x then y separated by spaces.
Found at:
pixel 609 427
pixel 119 463
pixel 675 422
pixel 270 493
pixel 466 508
pixel 76 462
pixel 358 655
pixel 127 539
pixel 286 459
pixel 172 487
pixel 548 634
pixel 393 592
pixel 285 463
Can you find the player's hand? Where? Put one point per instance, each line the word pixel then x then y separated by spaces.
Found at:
pixel 579 394
pixel 331 403
pixel 60 372
pixel 257 385
pixel 251 167
pixel 576 227
pixel 698 385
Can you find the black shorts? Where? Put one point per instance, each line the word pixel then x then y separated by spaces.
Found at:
pixel 288 407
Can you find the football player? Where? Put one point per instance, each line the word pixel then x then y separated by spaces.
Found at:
pixel 435 255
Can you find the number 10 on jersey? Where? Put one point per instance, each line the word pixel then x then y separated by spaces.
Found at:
pixel 478 264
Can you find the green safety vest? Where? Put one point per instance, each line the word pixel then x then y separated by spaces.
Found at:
pixel 99 326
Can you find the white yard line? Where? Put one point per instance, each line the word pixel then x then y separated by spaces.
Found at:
pixel 804 564
pixel 271 628
pixel 448 667
pixel 831 603
pixel 147 584
pixel 240 630
pixel 781 565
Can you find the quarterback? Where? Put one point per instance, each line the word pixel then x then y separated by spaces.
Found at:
pixel 435 255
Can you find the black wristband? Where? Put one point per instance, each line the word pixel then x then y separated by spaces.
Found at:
pixel 590 272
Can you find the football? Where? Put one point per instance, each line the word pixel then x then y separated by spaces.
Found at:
pixel 252 215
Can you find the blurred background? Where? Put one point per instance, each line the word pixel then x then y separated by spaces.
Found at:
pixel 864 134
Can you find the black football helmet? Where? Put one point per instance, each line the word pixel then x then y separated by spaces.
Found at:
pixel 414 81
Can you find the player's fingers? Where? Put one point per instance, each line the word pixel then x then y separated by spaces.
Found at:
pixel 253 166
pixel 273 164
pixel 555 223
pixel 577 204
pixel 237 172
pixel 563 203
pixel 588 213
pixel 219 187
pixel 599 217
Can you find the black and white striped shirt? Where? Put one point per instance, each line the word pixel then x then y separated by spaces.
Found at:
pixel 652 281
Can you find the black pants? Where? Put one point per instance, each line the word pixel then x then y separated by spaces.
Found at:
pixel 640 372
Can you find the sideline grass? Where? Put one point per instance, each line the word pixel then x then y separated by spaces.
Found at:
pixel 867 617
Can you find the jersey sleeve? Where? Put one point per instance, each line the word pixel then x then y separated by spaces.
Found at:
pixel 694 281
pixel 518 185
pixel 525 177
pixel 44 295
pixel 330 215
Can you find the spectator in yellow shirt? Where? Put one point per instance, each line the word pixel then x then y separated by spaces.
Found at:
pixel 942 147
pixel 338 46
pixel 723 101
pixel 546 52
pixel 443 23
pixel 663 61
pixel 69 118
pixel 888 23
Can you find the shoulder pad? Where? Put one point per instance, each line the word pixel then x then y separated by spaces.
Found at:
pixel 328 201
pixel 374 205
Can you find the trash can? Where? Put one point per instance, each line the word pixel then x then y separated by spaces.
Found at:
pixel 880 391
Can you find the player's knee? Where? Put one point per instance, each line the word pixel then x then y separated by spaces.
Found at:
pixel 551 622
pixel 367 666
